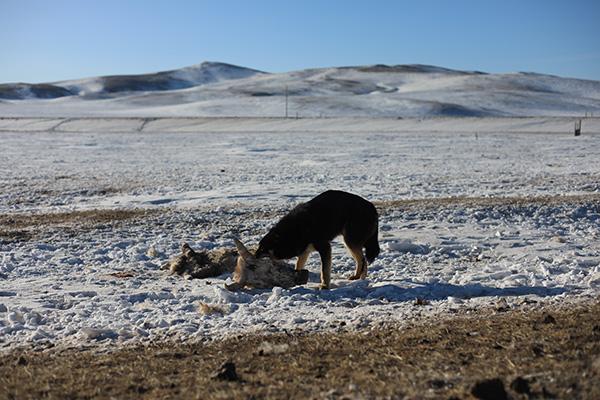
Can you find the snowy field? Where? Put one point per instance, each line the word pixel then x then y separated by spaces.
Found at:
pixel 471 215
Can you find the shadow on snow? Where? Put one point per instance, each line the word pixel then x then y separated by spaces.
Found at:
pixel 403 291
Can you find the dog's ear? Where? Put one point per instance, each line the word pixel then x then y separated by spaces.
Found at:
pixel 242 250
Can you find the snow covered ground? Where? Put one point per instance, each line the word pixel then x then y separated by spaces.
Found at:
pixel 467 220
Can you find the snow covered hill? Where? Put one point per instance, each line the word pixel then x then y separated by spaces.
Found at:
pixel 112 86
pixel 217 89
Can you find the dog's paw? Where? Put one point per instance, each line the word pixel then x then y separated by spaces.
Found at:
pixel 353 277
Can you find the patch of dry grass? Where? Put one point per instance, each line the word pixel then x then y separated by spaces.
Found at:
pixel 17 226
pixel 548 353
pixel 487 201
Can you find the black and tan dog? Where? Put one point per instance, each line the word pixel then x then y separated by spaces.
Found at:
pixel 312 225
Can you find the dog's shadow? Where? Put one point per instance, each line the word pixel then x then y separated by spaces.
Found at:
pixel 402 291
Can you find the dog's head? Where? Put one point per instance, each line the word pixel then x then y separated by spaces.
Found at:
pixel 267 246
pixel 281 244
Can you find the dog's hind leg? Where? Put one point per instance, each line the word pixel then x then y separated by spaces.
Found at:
pixel 324 250
pixel 361 262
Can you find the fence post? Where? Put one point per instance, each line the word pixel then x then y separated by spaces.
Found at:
pixel 578 127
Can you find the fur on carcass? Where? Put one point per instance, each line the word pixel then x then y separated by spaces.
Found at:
pixel 248 271
pixel 262 273
pixel 202 264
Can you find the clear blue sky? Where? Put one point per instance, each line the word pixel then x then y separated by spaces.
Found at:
pixel 48 40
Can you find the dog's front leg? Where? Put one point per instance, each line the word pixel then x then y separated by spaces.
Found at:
pixel 324 250
pixel 301 262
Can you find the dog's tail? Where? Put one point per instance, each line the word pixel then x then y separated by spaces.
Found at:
pixel 372 247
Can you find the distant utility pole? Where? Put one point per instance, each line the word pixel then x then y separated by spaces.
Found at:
pixel 286 101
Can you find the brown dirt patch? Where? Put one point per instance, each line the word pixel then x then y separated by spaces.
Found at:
pixel 17 227
pixel 486 201
pixel 546 353
pixel 385 206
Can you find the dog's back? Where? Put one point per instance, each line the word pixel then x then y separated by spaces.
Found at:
pixel 315 223
pixel 335 212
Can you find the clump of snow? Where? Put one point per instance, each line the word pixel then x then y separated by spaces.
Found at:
pixel 406 246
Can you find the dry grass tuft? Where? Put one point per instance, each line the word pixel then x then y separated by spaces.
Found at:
pixel 212 309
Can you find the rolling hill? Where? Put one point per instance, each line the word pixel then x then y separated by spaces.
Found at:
pixel 219 89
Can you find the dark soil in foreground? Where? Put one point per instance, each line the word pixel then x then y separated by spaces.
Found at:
pixel 496 354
